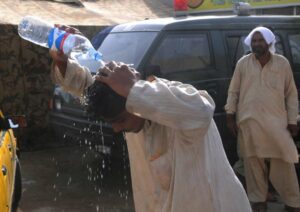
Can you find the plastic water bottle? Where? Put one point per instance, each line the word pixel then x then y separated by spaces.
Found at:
pixel 47 35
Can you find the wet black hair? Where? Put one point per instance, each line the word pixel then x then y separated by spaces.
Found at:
pixel 102 102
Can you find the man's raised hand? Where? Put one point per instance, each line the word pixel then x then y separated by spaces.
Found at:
pixel 119 77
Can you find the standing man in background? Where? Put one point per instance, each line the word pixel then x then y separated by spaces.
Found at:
pixel 262 109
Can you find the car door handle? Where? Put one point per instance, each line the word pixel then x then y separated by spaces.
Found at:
pixel 9 147
pixel 4 170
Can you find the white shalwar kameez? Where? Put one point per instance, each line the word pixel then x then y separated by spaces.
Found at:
pixel 265 101
pixel 177 160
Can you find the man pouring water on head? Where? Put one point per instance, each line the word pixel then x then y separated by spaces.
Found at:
pixel 177 160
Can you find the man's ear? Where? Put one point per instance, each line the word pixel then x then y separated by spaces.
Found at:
pixel 151 78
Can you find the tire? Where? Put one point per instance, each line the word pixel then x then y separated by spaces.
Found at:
pixel 18 187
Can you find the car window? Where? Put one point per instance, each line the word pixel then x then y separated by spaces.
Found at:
pixel 99 38
pixel 278 45
pixel 126 47
pixel 237 48
pixel 182 51
pixel 294 41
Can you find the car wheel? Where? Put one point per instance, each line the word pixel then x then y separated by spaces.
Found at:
pixel 18 188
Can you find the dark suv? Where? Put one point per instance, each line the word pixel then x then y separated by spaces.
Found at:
pixel 199 50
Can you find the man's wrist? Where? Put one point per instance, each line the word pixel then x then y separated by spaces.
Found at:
pixel 61 66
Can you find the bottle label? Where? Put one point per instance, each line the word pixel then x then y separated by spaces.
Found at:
pixel 57 38
pixel 60 41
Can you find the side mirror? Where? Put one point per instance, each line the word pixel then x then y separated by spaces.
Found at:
pixel 12 122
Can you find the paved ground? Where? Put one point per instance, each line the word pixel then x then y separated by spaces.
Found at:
pixel 75 179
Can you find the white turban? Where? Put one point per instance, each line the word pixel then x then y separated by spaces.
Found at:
pixel 266 33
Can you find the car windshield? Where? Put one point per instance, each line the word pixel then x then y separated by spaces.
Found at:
pixel 127 47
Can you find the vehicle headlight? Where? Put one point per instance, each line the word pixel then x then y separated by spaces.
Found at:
pixel 57 104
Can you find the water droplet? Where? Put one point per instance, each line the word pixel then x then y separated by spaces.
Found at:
pixel 69 180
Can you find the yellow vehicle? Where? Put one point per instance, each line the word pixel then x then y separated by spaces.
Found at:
pixel 10 176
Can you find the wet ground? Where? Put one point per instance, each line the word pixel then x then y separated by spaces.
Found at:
pixel 74 178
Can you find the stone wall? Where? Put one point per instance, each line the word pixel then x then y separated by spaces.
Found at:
pixel 25 84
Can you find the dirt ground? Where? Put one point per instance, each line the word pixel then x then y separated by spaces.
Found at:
pixel 74 178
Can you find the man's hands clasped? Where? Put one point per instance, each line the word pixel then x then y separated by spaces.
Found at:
pixel 118 76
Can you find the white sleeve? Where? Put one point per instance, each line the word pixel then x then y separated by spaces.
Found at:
pixel 173 104
pixel 76 79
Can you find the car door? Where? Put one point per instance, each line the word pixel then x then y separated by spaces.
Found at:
pixel 7 162
pixel 293 48
pixel 5 171
pixel 197 58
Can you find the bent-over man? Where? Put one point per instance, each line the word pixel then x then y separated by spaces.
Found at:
pixel 177 160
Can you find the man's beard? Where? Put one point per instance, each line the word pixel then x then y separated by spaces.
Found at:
pixel 259 51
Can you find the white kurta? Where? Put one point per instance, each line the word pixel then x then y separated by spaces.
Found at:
pixel 177 160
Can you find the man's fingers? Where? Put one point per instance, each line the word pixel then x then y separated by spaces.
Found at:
pixel 112 65
pixel 125 67
pixel 101 78
pixel 105 71
pixel 118 68
pixel 68 29
pixel 103 75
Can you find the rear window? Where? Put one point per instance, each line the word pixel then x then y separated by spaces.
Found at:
pixel 181 52
pixel 237 48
